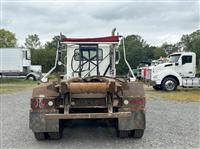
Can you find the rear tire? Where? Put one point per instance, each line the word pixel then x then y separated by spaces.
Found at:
pixel 55 135
pixel 123 133
pixel 169 84
pixel 40 136
pixel 138 133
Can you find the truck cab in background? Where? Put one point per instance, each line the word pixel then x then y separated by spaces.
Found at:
pixel 180 70
pixel 16 63
pixel 142 70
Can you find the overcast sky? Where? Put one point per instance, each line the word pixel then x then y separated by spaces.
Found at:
pixel 155 21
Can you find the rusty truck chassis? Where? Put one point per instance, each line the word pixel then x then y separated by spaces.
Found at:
pixel 111 97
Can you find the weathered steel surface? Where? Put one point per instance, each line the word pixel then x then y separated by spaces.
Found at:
pixel 89 100
pixel 91 92
pixel 90 84
pixel 88 87
pixel 89 95
pixel 136 121
pixel 39 123
pixel 88 115
pixel 88 103
pixel 134 90
pixel 46 90
pixel 135 95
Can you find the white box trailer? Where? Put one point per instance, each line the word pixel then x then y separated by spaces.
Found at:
pixel 16 62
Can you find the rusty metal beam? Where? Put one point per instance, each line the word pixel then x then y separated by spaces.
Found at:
pixel 88 87
pixel 88 115
pixel 88 95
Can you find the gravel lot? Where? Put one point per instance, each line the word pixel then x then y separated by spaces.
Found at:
pixel 170 124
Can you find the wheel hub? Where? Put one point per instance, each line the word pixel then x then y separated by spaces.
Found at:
pixel 170 85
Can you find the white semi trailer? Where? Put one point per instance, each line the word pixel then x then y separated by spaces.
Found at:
pixel 16 63
pixel 180 70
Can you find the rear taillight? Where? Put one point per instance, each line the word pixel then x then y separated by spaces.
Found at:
pixel 39 103
pixel 43 103
pixel 137 102
pixel 34 103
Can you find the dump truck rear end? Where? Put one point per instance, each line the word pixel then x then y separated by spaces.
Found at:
pixel 89 90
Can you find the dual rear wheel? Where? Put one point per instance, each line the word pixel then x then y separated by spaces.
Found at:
pixel 48 135
pixel 137 133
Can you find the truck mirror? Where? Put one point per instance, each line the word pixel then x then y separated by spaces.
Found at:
pixel 176 64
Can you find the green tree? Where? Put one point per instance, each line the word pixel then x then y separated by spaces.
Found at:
pixel 191 42
pixel 32 42
pixel 196 49
pixel 53 43
pixel 187 40
pixel 7 39
pixel 137 50
pixel 46 56
pixel 159 52
pixel 169 48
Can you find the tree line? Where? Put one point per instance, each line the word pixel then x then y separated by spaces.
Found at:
pixel 137 49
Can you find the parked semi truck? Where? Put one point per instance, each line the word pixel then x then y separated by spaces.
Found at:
pixel 90 90
pixel 143 70
pixel 16 63
pixel 180 70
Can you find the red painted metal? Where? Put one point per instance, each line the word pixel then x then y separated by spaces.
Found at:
pixel 35 103
pixel 98 39
pixel 138 102
pixel 145 72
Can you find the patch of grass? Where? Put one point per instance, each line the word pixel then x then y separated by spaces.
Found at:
pixel 181 94
pixel 16 81
pixel 52 77
pixel 12 85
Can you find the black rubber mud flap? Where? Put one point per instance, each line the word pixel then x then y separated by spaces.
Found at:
pixel 38 122
pixel 133 126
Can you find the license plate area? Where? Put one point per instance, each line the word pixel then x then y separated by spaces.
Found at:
pixel 88 102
